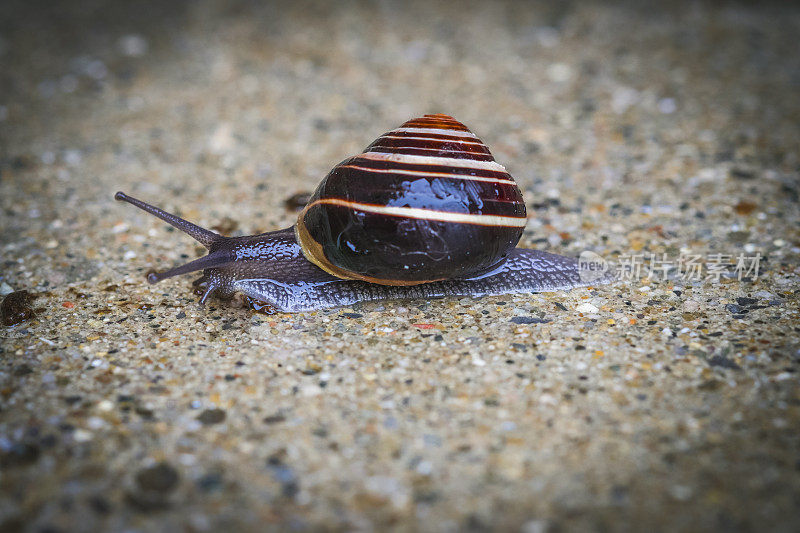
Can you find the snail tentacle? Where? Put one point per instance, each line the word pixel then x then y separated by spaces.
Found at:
pixel 205 237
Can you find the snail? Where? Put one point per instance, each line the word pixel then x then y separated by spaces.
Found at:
pixel 425 211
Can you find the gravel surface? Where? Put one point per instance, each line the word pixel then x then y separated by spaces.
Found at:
pixel 650 137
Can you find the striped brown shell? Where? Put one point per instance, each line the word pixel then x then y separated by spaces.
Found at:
pixel 424 202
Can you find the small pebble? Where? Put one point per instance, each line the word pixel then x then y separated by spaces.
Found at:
pixel 16 308
pixel 161 478
pixel 211 416
pixel 691 306
pixel 297 201
pixel 733 308
pixel 559 72
pixel 724 362
pixel 528 320
pixel 667 106
pixel 133 45
pixel 20 454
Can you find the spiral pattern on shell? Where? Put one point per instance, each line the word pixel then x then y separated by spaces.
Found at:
pixel 424 202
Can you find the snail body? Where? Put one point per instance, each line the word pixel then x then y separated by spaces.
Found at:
pixel 423 212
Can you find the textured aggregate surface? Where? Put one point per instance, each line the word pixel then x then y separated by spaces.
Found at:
pixel 652 403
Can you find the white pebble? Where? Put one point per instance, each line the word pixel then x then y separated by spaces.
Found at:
pixel 72 157
pixel 390 488
pixel 222 139
pixel 680 492
pixel 508 425
pixel 133 45
pixel 424 468
pixel 667 106
pixel 120 228
pixel 622 98
pixel 5 288
pixel 559 72
pixel 81 435
pixel 535 526
pixel 547 399
pixel 95 422
pixel 690 306
pixel 547 36
pixel 310 390
pixel 586 307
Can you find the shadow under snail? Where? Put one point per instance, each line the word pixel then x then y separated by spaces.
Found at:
pixel 423 212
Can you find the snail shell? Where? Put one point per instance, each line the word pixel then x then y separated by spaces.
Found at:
pixel 424 202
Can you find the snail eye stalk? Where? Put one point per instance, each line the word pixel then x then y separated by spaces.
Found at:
pixel 215 259
pixel 201 235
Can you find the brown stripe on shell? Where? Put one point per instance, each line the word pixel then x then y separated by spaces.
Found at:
pixel 432 152
pixel 416 174
pixel 438 169
pixel 442 148
pixel 428 134
pixel 443 122
pixel 462 144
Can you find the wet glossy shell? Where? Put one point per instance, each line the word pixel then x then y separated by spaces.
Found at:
pixel 424 202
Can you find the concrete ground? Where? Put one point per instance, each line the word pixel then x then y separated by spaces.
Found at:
pixel 663 137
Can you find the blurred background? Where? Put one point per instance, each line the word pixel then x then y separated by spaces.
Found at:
pixel 630 126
